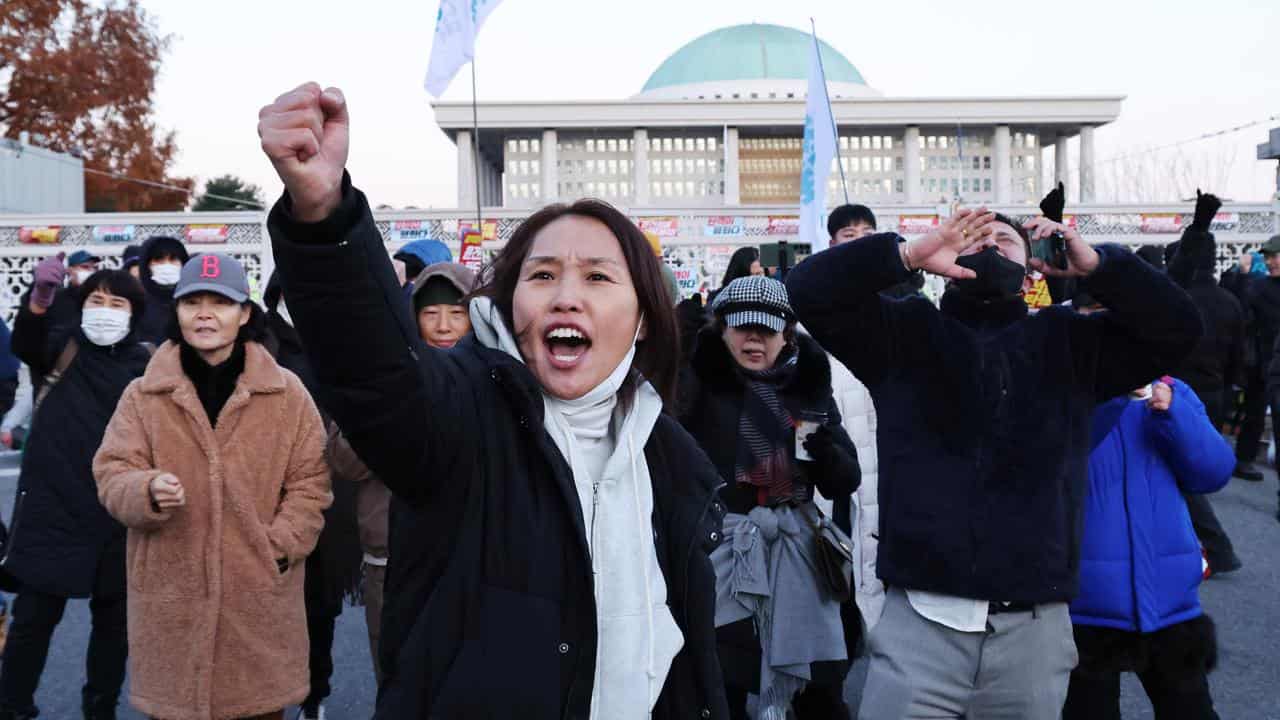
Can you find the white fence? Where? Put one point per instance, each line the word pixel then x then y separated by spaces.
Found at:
pixel 697 243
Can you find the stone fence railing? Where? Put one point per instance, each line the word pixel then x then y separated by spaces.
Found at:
pixel 697 243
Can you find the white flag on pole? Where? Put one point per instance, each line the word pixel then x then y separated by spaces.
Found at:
pixel 454 44
pixel 819 149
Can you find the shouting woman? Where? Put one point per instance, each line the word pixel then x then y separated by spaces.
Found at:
pixel 556 564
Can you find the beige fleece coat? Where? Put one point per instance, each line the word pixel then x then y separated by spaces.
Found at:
pixel 215 629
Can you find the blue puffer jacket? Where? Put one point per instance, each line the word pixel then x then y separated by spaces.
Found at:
pixel 1140 560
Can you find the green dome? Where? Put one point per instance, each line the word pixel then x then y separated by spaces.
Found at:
pixel 750 52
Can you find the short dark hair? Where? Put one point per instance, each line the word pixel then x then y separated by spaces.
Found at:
pixel 740 264
pixel 253 331
pixel 658 355
pixel 846 215
pixel 121 284
pixel 1017 227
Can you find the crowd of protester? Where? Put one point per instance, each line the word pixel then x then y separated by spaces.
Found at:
pixel 561 490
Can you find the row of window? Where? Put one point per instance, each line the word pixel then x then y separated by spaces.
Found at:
pixel 595 167
pixel 524 146
pixel 687 188
pixel 683 144
pixel 686 166
pixel 703 166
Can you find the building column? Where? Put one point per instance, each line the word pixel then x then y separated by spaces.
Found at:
pixel 640 167
pixel 1060 166
pixel 911 164
pixel 466 171
pixel 732 188
pixel 1087 189
pixel 550 168
pixel 1001 167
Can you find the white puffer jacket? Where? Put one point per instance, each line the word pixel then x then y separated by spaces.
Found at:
pixel 859 415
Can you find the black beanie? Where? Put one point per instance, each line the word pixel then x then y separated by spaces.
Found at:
pixel 439 290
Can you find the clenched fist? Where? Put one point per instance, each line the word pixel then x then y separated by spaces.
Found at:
pixel 306 134
pixel 167 492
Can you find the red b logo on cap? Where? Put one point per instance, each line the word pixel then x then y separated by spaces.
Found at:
pixel 210 268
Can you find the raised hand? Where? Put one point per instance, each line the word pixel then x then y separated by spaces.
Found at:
pixel 1082 259
pixel 937 251
pixel 306 134
pixel 48 277
pixel 1207 206
pixel 1161 397
pixel 167 492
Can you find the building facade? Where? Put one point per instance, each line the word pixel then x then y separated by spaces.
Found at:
pixel 719 124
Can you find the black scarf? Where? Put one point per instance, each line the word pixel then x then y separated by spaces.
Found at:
pixel 766 431
pixel 214 384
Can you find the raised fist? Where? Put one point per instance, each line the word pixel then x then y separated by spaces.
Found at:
pixel 48 277
pixel 305 133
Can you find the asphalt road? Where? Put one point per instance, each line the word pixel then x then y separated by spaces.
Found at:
pixel 1245 604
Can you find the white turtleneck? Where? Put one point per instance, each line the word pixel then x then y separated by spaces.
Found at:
pixel 637 637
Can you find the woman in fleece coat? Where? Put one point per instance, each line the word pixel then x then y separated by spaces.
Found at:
pixel 214 461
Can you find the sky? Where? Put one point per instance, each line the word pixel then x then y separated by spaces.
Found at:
pixel 1187 68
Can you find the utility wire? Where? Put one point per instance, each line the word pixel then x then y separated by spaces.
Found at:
pixel 1188 141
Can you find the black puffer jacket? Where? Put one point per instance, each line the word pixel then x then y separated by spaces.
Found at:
pixel 490 607
pixel 62 541
pixel 154 324
pixel 711 396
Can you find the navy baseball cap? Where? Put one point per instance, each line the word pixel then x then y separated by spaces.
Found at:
pixel 80 257
pixel 216 273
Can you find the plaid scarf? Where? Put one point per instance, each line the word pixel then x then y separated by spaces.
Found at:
pixel 766 432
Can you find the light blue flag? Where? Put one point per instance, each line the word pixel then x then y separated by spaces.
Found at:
pixel 819 149
pixel 454 45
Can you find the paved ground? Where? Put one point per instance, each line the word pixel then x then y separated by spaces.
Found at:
pixel 1245 605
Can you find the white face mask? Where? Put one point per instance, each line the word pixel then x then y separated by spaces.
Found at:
pixel 82 275
pixel 283 311
pixel 105 326
pixel 166 273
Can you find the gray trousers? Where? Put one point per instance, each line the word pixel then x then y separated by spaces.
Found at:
pixel 1018 669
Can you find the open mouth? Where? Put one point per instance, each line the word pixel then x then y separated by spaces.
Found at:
pixel 567 345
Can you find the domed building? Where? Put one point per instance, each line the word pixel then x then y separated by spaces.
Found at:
pixel 719 123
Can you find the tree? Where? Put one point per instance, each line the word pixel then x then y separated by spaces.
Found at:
pixel 80 79
pixel 222 193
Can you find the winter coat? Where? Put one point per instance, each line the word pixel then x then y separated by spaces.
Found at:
pixel 859 417
pixel 983 410
pixel 158 315
pixel 62 541
pixel 216 629
pixel 1140 559
pixel 489 595
pixel 711 395
pixel 1262 305
pixel 1218 360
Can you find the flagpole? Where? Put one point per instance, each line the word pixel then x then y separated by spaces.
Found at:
pixel 827 96
pixel 475 132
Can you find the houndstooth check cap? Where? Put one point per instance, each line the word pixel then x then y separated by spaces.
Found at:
pixel 754 300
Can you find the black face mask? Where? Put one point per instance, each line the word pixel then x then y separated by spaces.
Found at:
pixel 998 276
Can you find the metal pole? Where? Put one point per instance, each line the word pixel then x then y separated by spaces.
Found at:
pixel 834 128
pixel 475 146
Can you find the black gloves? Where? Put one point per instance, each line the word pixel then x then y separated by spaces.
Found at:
pixel 834 469
pixel 1054 203
pixel 1207 206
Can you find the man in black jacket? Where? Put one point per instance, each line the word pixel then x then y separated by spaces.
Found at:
pixel 984 415
pixel 1216 363
pixel 1262 305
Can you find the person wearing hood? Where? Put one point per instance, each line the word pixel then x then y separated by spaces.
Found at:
pixel 752 383
pixel 1216 364
pixel 417 255
pixel 214 461
pixel 439 304
pixel 63 544
pixel 159 267
pixel 130 259
pixel 333 567
pixel 558 562
pixel 1140 565
pixel 983 414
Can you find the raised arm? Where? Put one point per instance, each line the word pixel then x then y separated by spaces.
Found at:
pixel 403 406
pixel 1194 449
